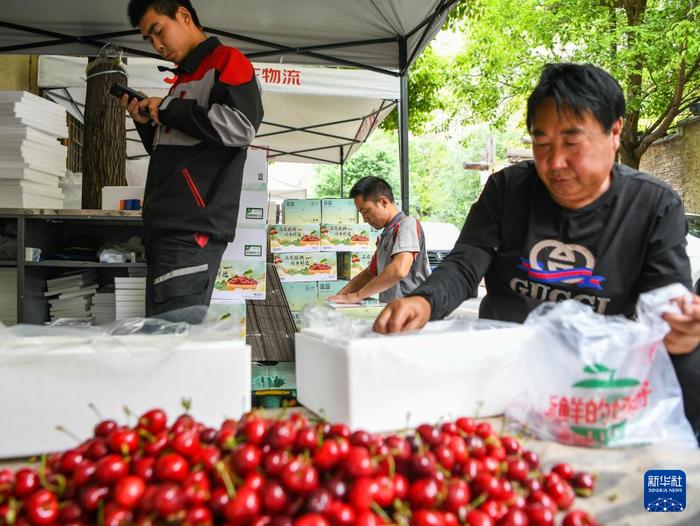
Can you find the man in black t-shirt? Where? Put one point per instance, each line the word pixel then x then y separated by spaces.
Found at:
pixel 571 224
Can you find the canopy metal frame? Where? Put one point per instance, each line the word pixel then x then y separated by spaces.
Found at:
pixel 316 52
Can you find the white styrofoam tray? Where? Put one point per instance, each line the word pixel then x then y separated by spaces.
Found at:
pixel 385 383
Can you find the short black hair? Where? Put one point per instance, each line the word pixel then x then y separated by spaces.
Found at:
pixel 138 8
pixel 373 188
pixel 581 88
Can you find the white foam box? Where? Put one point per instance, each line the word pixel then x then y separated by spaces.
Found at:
pixel 301 211
pixel 299 295
pixel 255 170
pixel 294 238
pixel 253 208
pixel 341 211
pixel 348 237
pixel 350 264
pixel 242 272
pixel 306 266
pixel 111 195
pixel 385 383
pixel 138 371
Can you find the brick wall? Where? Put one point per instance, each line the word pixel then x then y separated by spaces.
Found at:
pixel 676 160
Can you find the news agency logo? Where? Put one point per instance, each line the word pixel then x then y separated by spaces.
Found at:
pixel 664 490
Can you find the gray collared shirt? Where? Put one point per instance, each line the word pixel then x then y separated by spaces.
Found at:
pixel 402 234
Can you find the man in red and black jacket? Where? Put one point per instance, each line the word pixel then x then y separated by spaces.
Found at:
pixel 197 137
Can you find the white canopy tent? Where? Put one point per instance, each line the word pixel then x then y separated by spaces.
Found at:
pixel 312 113
pixel 384 36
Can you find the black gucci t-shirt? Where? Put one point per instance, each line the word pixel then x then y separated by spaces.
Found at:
pixel 529 249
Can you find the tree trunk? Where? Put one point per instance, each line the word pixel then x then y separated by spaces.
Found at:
pixel 104 151
pixel 629 158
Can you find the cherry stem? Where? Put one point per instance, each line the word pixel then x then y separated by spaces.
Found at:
pixel 226 478
pixel 478 501
pixel 186 405
pixel 376 508
pixel 65 431
pixel 95 410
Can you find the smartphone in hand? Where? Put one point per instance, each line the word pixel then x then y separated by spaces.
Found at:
pixel 118 90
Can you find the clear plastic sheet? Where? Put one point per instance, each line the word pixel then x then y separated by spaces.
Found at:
pixel 602 381
pixel 192 324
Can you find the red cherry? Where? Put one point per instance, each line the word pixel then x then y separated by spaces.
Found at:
pixel 255 430
pixel 578 518
pixel 531 458
pixel 583 484
pixel 318 501
pixel 243 507
pixel 517 469
pixel 358 462
pixel 514 517
pixel 385 494
pixel 300 477
pixel 466 425
pixel 423 493
pixel 197 488
pixel 282 435
pixel 458 495
pixel 511 445
pixel 183 423
pixel 26 482
pixel 69 461
pixel 339 430
pixel 484 429
pixel 42 507
pixel 540 515
pixel 540 497
pixel 427 518
pixel 246 458
pixel 274 461
pixel 338 488
pixel 171 467
pixel 143 468
pixel 110 469
pixel 341 514
pixel 360 438
pixel 83 473
pixel 153 421
pixel 327 456
pixel 367 518
pixel 311 519
pixel 104 428
pixel 187 443
pixel 97 449
pixel 254 481
pixel 123 440
pixel 218 502
pixel 274 497
pixel 169 499
pixel 70 511
pixel 307 438
pixel 429 434
pixel 459 448
pixel 445 456
pixel 91 496
pixel 117 517
pixel 363 493
pixel 485 483
pixel 562 494
pixel 129 491
pixel 208 457
pixel 199 516
pixel 479 518
pixel 564 470
pixel 494 509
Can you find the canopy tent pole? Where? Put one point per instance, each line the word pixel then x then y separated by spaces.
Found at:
pixel 342 172
pixel 403 126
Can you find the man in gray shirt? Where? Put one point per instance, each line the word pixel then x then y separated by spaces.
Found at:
pixel 400 263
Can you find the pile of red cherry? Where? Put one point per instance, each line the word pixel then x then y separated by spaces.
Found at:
pixel 290 472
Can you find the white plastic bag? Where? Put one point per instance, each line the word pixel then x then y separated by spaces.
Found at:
pixel 602 381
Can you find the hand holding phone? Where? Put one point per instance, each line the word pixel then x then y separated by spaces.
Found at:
pixel 119 90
